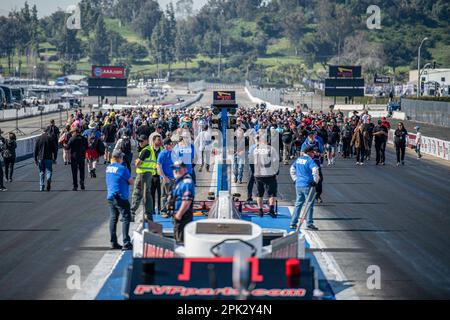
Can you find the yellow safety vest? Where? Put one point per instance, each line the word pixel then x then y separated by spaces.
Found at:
pixel 149 164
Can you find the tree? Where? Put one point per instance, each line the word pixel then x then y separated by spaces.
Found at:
pixel 184 8
pixel 294 27
pixel 185 48
pixel 42 72
pixel 8 39
pixel 147 19
pixel 100 46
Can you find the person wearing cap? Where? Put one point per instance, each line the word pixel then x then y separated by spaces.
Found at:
pixel 77 146
pixel 156 144
pixel 305 174
pixel 145 168
pixel 164 165
pixel 314 141
pixel 418 141
pixel 183 194
pixel 93 136
pixel 118 182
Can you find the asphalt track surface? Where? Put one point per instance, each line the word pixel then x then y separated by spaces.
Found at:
pixel 396 218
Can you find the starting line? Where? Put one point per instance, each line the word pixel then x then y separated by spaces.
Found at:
pixel 114 286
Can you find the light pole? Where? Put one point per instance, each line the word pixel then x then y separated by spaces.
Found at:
pixel 418 68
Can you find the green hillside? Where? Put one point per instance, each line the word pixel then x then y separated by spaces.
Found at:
pixel 278 42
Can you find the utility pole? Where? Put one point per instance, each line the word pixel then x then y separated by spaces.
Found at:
pixel 220 56
pixel 418 69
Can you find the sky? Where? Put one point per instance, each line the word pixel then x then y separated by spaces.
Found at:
pixel 46 7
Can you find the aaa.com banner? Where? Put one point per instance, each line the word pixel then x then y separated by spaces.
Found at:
pixel 432 146
pixel 108 72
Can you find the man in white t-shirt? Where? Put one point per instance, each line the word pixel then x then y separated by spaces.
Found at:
pixel 418 141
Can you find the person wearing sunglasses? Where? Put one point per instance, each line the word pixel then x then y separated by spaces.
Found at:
pixel 400 136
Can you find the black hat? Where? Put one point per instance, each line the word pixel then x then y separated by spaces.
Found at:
pixel 309 149
pixel 142 137
pixel 167 141
pixel 178 164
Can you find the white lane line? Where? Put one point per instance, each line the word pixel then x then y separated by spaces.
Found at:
pixel 98 276
pixel 341 286
pixel 102 271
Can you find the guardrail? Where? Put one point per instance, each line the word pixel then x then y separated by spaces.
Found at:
pixel 197 86
pixel 270 96
pixel 26 112
pixel 25 148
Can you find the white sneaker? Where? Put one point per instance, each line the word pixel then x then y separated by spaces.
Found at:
pixel 357 163
pixel 361 163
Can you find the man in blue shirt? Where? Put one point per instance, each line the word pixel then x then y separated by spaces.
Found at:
pixel 164 165
pixel 316 143
pixel 184 151
pixel 118 181
pixel 305 173
pixel 183 194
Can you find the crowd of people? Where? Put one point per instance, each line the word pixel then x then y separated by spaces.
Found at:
pixel 170 144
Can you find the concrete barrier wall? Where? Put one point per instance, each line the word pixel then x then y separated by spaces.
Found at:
pixel 184 104
pixel 432 112
pixel 25 148
pixel 10 114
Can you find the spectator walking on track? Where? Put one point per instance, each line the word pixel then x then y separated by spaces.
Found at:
pixel 77 146
pixel 44 156
pixel 118 181
pixel 2 147
pixel 267 161
pixel 418 142
pixel 109 137
pixel 53 131
pixel 380 132
pixel 63 140
pixel 360 141
pixel 9 155
pixel 93 136
pixel 400 137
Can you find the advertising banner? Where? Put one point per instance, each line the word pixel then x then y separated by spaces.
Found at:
pixel 108 72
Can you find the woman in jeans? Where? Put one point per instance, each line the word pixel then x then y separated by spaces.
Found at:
pixel 9 155
pixel 400 136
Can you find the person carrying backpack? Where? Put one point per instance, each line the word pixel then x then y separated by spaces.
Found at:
pixel 63 140
pixel 92 152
